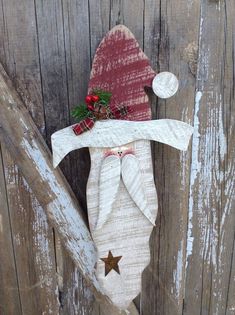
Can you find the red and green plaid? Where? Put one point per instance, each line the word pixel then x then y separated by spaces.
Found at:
pixel 84 125
pixel 120 112
pixel 102 113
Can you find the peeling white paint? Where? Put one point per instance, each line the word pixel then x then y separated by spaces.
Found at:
pixel 178 272
pixel 63 212
pixel 23 123
pixel 195 169
pixel 184 155
pixel 40 238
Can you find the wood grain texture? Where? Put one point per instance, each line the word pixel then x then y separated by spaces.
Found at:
pixel 9 293
pixel 115 133
pixel 169 33
pixel 109 180
pixel 165 84
pixel 211 203
pixel 33 245
pixel 35 162
pixel 32 238
pixel 119 61
pixel 169 30
pixel 63 87
pixel 134 182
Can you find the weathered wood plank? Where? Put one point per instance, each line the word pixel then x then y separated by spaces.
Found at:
pixel 9 290
pixel 28 148
pixel 49 186
pixel 33 245
pixel 77 48
pixel 19 54
pixel 75 297
pixel 129 14
pixel 151 24
pixel 99 12
pixel 170 31
pixel 211 202
pixel 230 305
pixel 52 63
pixel 63 87
pixel 122 12
pixel 32 237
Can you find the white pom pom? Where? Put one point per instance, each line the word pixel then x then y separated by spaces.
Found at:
pixel 165 84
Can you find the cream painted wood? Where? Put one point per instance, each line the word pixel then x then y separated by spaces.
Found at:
pixel 134 183
pixel 126 232
pixel 110 174
pixel 112 133
pixel 165 84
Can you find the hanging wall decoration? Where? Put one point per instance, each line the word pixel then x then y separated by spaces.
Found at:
pixel 115 123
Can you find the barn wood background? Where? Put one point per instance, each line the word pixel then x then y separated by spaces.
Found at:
pixel 46 46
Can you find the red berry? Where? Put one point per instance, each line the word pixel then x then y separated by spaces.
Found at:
pixel 90 107
pixel 88 99
pixel 95 98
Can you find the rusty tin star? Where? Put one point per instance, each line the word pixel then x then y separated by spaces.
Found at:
pixel 111 263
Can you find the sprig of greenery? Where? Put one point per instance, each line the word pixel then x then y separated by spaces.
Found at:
pixel 80 112
pixel 103 95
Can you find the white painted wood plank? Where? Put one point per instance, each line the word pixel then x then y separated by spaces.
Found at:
pixel 127 231
pixel 112 133
pixel 134 183
pixel 165 84
pixel 110 174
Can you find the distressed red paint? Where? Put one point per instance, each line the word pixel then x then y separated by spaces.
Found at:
pixel 121 67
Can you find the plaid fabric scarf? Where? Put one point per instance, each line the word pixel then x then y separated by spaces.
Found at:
pixel 84 125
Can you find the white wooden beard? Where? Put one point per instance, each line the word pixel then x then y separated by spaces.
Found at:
pixel 124 229
pixel 126 232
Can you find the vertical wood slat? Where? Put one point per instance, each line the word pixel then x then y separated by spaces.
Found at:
pixel 230 305
pixel 99 12
pixel 9 291
pixel 32 237
pixel 65 82
pixel 33 245
pixel 99 24
pixel 122 12
pixel 211 208
pixel 150 287
pixel 172 32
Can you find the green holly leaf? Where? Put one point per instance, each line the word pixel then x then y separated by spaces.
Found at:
pixel 104 96
pixel 80 112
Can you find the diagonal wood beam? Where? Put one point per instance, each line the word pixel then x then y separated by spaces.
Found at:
pixel 28 149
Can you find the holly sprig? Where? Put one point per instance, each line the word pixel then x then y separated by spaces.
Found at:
pixel 80 112
pixel 104 96
pixel 97 97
